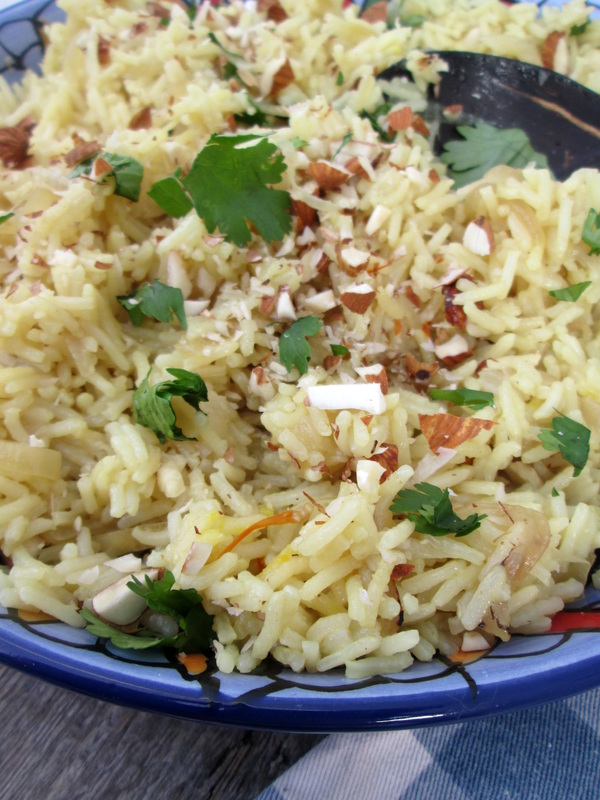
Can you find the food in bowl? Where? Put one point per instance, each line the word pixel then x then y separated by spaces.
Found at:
pixel 272 386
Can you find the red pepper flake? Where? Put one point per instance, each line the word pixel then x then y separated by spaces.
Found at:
pixel 454 314
pixel 274 447
pixel 401 571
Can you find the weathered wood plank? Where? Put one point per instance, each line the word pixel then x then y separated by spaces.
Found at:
pixel 56 744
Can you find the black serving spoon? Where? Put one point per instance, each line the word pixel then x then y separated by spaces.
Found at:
pixel 560 116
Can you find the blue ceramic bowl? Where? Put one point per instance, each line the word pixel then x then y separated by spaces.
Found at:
pixel 522 672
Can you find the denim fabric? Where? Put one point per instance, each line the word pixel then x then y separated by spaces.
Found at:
pixel 550 752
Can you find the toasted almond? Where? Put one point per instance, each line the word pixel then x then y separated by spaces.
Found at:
pixel 412 296
pixel 272 9
pixel 398 327
pixel 331 362
pixel 142 120
pixel 401 571
pixel 326 175
pixel 267 305
pixel 366 420
pixel 375 374
pixel 449 431
pixel 354 166
pixel 479 237
pixel 14 143
pixel 81 152
pixel 375 13
pixel 307 215
pixel 103 51
pixel 433 176
pixel 100 167
pixel 281 79
pixel 453 351
pixel 420 126
pixel 455 314
pixel 551 51
pixel 103 265
pixel 420 371
pixel 358 297
pixel 401 118
pixel 351 260
pixel 387 457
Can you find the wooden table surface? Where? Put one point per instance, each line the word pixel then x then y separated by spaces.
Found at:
pixel 59 745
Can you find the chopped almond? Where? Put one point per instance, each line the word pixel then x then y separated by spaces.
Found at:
pixel 101 167
pixel 14 143
pixel 307 215
pixel 272 9
pixel 326 175
pixel 351 260
pixel 81 152
pixel 401 571
pixel 386 457
pixel 142 120
pixel 375 13
pixel 398 327
pixel 449 431
pixel 103 51
pixel 282 78
pixel 331 362
pixel 414 298
pixel 433 176
pixel 420 126
pixel 358 298
pixel 479 237
pixel 366 420
pixel 267 305
pixel 375 374
pixel 401 119
pixel 550 47
pixel 420 371
pixel 454 314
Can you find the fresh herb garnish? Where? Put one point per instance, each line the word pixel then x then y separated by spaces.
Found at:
pixel 169 194
pixel 298 142
pixel 339 350
pixel 339 78
pixel 294 350
pixel 570 293
pixel 152 404
pixel 591 232
pixel 431 511
pixel 228 185
pixel 413 20
pixel 4 217
pixel 555 493
pixel 185 605
pixel 463 397
pixel 126 171
pixel 577 30
pixel 373 116
pixel 154 300
pixel 347 138
pixel 570 438
pixel 482 147
pixel 214 40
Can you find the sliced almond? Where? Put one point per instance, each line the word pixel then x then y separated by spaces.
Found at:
pixel 142 120
pixel 281 79
pixel 478 237
pixel 358 297
pixel 449 431
pixel 326 175
pixel 81 152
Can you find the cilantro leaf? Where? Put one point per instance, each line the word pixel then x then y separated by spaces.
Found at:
pixel 4 217
pixel 228 185
pixel 214 40
pixel 431 511
pixel 483 146
pixel 339 78
pixel 298 142
pixel 570 293
pixel 152 404
pixel 154 300
pixel 463 397
pixel 577 30
pixel 339 350
pixel 170 195
pixel 570 438
pixel 126 171
pixel 591 232
pixel 347 138
pixel 185 605
pixel 294 350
